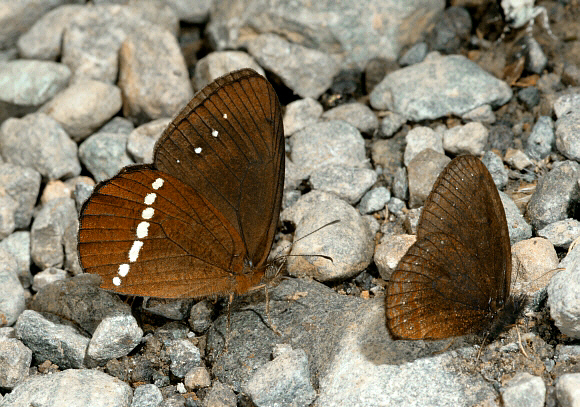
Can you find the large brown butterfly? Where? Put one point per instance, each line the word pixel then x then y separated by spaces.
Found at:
pixel 455 279
pixel 199 220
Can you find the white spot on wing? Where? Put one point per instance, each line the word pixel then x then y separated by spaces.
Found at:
pixel 197 150
pixel 147 213
pixel 225 115
pixel 150 198
pixel 214 133
pixel 158 183
pixel 123 269
pixel 116 281
pixel 134 252
pixel 142 229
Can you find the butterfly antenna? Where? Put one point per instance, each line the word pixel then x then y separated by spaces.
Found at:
pixel 285 256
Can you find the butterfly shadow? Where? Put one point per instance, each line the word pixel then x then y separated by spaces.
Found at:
pixel 380 348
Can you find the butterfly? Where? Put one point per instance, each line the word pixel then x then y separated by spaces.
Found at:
pixel 200 220
pixel 455 279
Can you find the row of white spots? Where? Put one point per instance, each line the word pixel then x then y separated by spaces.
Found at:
pixel 141 232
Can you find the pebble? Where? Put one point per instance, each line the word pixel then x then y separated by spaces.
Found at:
pixel 524 389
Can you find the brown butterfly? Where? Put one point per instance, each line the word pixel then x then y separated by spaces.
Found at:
pixel 455 279
pixel 200 220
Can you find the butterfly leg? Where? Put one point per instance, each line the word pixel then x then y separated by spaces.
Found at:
pixel 228 325
pixel 272 326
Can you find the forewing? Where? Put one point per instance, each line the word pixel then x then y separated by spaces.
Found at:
pixel 228 144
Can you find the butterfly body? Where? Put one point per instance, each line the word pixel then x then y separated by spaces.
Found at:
pixel 199 220
pixel 455 279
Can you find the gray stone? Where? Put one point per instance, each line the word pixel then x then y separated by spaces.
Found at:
pixel 184 357
pixel 419 139
pixel 390 124
pixel 452 30
pixel 561 233
pixel 518 228
pixel 390 251
pixel 191 11
pixel 93 38
pixel 374 200
pixel 27 84
pixel 401 184
pixel 176 309
pixel 43 40
pixel 82 193
pixel 555 195
pixel 470 138
pixel 47 236
pixel 18 245
pixel 495 166
pixel 197 378
pixel 219 63
pixel 308 72
pixel 115 336
pixel 220 395
pixel 73 388
pixel 46 277
pixel 541 140
pixel 568 135
pixel 567 103
pixel 524 390
pixel 423 171
pixel 414 55
pixel 450 85
pixel 517 159
pixel 118 125
pixel 483 114
pixel 8 207
pixel 284 381
pixel 63 345
pixel 17 17
pixel 304 204
pixel 12 301
pixel 347 183
pixel 357 114
pixel 529 96
pixel 200 316
pixel 396 206
pixel 536 60
pixel 64 298
pixel 147 395
pixel 152 90
pixel 374 29
pixel 23 185
pixel 84 106
pixel 328 143
pixel 563 300
pixel 15 359
pixel 567 389
pixel 141 141
pixel 39 142
pixel 358 372
pixel 105 154
pixel 300 114
pixel 349 243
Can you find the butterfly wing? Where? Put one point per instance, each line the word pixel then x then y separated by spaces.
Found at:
pixel 228 142
pixel 460 267
pixel 216 183
pixel 146 233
